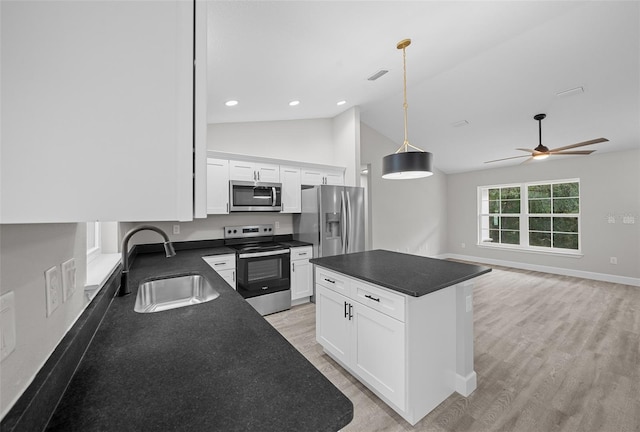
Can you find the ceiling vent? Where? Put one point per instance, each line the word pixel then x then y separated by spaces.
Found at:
pixel 377 75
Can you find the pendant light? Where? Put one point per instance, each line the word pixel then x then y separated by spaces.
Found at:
pixel 406 163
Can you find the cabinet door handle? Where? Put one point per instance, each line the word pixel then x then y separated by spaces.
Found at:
pixel 233 275
pixel 346 313
pixel 330 281
pixel 293 267
pixel 219 263
pixel 372 298
pixel 350 309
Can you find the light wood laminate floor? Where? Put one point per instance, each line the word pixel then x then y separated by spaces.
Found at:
pixel 552 353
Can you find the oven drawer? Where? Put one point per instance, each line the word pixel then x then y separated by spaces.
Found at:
pixel 221 262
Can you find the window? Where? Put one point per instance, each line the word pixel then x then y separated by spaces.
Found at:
pixel 543 216
pixel 94 244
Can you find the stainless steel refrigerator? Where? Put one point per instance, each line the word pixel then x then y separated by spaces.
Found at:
pixel 332 219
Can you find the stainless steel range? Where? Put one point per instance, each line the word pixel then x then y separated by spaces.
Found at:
pixel 262 267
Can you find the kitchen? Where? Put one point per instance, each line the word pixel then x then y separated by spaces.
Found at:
pixel 442 226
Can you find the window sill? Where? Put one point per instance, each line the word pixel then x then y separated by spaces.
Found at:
pixel 569 254
pixel 98 271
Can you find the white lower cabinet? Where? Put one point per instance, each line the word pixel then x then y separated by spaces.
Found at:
pixel 225 266
pixel 369 343
pixel 301 272
pixel 407 350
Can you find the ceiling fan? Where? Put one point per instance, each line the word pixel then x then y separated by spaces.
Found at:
pixel 543 152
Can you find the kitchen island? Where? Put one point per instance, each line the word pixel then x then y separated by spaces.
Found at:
pixel 215 366
pixel 401 324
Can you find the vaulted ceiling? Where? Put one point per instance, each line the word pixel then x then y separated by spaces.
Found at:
pixel 493 65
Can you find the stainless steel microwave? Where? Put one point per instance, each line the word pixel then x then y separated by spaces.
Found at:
pixel 247 196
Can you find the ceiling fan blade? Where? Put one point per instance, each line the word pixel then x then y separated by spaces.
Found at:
pixel 527 150
pixel 527 160
pixel 577 152
pixel 514 157
pixel 580 144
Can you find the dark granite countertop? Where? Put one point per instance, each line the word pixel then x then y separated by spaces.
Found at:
pixel 216 366
pixel 408 274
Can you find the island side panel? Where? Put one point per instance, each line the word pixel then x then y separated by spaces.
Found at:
pixel 466 379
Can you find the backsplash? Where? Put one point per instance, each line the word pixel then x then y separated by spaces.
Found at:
pixel 209 228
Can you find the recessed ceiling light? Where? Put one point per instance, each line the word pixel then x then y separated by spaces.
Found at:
pixel 231 103
pixel 294 103
pixel 570 92
pixel 342 102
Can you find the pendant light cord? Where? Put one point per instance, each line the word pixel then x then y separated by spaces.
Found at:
pixel 405 146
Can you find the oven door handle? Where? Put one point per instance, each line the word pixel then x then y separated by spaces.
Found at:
pixel 263 254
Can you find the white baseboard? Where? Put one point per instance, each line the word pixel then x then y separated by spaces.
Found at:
pixel 466 385
pixel 547 269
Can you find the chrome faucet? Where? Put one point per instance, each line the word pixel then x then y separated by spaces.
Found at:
pixel 168 250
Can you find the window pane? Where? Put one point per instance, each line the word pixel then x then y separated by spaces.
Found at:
pixel 511 223
pixel 511 237
pixel 540 191
pixel 494 194
pixel 494 222
pixel 540 239
pixel 566 205
pixel 565 224
pixel 540 224
pixel 495 235
pixel 494 206
pixel 511 206
pixel 510 193
pixel 566 190
pixel 565 241
pixel 540 206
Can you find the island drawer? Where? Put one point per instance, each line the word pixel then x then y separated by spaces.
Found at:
pixel 221 262
pixel 382 300
pixel 332 280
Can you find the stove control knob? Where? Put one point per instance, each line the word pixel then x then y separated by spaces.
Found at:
pixel 235 231
pixel 228 231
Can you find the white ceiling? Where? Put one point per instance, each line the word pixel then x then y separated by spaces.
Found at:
pixel 493 64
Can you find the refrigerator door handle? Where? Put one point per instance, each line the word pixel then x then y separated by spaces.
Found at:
pixel 343 223
pixel 349 223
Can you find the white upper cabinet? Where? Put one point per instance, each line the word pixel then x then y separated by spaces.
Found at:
pixel 315 177
pixel 217 186
pixel 291 192
pixel 97 111
pixel 253 171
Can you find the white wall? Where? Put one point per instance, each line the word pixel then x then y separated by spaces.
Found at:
pixel 26 251
pixel 346 140
pixel 609 185
pixel 407 215
pixel 295 140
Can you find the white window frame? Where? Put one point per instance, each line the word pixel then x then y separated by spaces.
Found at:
pixel 524 219
pixel 94 250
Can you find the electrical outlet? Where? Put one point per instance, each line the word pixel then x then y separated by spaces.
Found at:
pixel 176 229
pixel 7 324
pixel 613 260
pixel 68 279
pixel 463 245
pixel 277 224
pixel 52 289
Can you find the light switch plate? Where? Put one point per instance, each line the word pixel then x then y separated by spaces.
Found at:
pixel 7 324
pixel 52 289
pixel 68 279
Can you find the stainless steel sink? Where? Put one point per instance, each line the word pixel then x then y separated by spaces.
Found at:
pixel 173 292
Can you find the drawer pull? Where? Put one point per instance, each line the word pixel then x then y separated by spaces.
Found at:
pixel 372 298
pixel 302 253
pixel 330 281
pixel 219 263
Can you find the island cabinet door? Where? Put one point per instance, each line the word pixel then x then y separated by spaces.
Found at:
pixel 332 324
pixel 378 352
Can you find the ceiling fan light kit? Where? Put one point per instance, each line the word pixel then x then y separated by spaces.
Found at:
pixel 543 152
pixel 405 163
